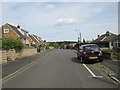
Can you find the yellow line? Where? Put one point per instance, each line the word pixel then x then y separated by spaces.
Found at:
pixel 18 71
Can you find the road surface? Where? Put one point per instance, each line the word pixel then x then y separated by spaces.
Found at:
pixel 59 69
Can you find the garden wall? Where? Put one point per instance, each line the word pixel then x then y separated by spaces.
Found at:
pixel 12 55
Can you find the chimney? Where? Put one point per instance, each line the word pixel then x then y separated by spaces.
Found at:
pixel 107 33
pixel 18 26
pixel 98 36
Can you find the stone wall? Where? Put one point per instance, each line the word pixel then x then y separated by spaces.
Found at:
pixel 3 56
pixel 12 55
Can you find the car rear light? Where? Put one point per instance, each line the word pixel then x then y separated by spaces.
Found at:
pixel 83 52
pixel 100 52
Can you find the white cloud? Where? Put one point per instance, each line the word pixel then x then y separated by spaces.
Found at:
pixel 98 10
pixel 59 0
pixel 67 21
pixel 49 7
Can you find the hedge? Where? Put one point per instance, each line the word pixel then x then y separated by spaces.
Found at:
pixel 10 43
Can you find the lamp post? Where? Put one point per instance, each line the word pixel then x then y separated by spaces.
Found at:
pixel 79 38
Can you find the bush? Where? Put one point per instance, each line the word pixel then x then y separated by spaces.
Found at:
pixel 47 46
pixel 106 50
pixel 33 45
pixel 0 44
pixel 111 53
pixel 10 43
pixel 116 53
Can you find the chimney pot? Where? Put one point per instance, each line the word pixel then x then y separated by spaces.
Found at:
pixel 98 36
pixel 18 26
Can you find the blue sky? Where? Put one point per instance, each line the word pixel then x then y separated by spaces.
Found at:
pixel 58 21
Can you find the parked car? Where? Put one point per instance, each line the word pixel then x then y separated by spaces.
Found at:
pixel 89 52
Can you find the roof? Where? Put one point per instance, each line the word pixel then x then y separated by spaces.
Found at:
pixel 88 44
pixel 17 31
pixel 33 39
pixel 116 38
pixel 106 37
pixel 24 30
pixel 37 38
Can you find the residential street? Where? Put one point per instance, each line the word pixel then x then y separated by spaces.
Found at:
pixel 59 69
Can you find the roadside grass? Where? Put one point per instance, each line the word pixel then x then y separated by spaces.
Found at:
pixel 104 69
pixel 107 72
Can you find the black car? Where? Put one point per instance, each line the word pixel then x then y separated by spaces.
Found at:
pixel 89 52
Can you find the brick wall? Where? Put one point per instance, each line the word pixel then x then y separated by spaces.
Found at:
pixel 12 55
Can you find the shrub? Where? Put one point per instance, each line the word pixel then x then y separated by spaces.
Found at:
pixel 33 45
pixel 106 50
pixel 10 43
pixel 0 44
pixel 47 46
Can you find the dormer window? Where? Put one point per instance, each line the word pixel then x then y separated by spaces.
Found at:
pixel 6 30
pixel 108 33
pixel 27 34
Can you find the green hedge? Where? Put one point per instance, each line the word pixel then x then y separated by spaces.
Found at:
pixel 107 50
pixel 0 44
pixel 111 53
pixel 10 43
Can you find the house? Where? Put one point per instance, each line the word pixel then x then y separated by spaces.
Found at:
pixel 39 40
pixel 10 31
pixel 105 40
pixel 116 42
pixel 25 34
pixel 34 40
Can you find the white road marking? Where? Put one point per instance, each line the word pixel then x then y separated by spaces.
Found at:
pixel 93 75
pixel 97 76
pixel 116 79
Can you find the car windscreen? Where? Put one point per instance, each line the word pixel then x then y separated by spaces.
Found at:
pixel 91 48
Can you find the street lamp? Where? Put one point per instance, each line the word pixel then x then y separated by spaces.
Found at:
pixel 79 38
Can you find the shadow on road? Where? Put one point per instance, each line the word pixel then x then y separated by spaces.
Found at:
pixel 76 60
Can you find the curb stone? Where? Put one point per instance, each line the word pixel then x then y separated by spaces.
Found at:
pixel 107 71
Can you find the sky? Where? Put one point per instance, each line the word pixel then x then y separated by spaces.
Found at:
pixel 62 21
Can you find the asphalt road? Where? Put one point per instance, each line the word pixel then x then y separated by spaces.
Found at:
pixel 59 69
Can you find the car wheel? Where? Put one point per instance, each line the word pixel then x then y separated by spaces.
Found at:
pixel 78 57
pixel 81 60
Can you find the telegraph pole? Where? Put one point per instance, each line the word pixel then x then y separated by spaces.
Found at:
pixel 79 37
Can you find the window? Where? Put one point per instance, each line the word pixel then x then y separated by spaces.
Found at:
pixel 27 42
pixel 91 48
pixel 6 30
pixel 27 34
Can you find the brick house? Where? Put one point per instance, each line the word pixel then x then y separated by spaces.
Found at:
pixel 34 40
pixel 25 34
pixel 10 31
pixel 39 39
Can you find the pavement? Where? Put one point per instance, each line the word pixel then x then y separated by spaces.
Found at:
pixel 56 69
pixel 113 65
